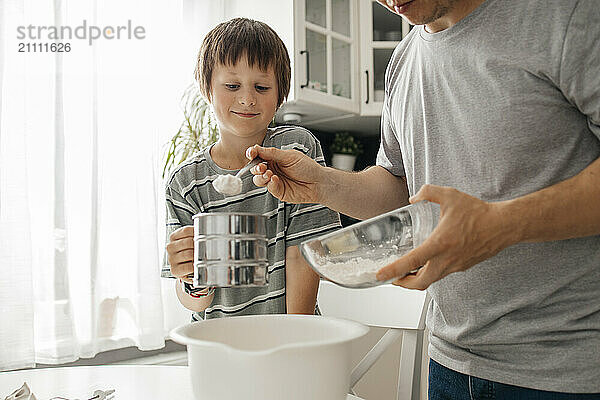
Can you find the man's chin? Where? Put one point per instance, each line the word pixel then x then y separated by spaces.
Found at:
pixel 416 19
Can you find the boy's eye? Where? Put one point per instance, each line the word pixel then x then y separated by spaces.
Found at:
pixel 231 86
pixel 262 88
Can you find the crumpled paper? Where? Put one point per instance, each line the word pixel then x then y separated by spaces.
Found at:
pixel 23 393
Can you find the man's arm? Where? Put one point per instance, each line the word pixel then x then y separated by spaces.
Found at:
pixel 471 230
pixel 301 283
pixel 295 178
pixel 566 210
pixel 362 194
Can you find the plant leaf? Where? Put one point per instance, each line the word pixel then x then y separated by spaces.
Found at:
pixel 197 130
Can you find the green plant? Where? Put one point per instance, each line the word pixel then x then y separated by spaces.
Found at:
pixel 345 143
pixel 197 130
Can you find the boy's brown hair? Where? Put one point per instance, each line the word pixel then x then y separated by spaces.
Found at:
pixel 230 40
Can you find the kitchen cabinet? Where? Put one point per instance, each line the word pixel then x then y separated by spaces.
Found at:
pixel 326 53
pixel 381 31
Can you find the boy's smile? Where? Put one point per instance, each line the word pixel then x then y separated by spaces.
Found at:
pixel 244 99
pixel 245 115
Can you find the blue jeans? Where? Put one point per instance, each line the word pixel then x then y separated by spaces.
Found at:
pixel 446 384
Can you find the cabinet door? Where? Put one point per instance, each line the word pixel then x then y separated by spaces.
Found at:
pixel 326 55
pixel 381 31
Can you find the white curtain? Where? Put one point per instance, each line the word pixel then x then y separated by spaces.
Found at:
pixel 81 209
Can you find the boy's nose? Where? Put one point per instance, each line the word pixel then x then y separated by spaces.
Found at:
pixel 246 99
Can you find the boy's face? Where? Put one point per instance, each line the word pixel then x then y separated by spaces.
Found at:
pixel 244 98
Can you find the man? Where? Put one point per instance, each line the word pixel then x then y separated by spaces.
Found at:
pixel 492 110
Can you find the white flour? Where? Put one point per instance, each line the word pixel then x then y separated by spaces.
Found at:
pixel 356 271
pixel 228 185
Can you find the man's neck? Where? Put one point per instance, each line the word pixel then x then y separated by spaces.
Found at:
pixel 460 10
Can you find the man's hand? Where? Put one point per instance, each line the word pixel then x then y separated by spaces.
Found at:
pixel 289 175
pixel 469 231
pixel 180 252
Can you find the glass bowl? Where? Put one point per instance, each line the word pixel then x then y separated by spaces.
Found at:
pixel 351 257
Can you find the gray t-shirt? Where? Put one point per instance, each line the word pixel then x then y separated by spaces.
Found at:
pixel 505 103
pixel 189 190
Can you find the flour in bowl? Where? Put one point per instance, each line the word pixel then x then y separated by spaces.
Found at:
pixel 356 271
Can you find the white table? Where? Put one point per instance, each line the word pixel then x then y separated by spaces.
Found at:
pixel 131 382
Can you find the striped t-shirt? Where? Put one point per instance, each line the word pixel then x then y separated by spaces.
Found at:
pixel 189 190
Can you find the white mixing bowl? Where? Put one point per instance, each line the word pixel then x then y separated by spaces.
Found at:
pixel 270 357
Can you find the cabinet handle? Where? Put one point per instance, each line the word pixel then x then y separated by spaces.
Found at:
pixel 367 73
pixel 307 69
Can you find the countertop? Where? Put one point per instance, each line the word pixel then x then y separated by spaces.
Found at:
pixel 131 382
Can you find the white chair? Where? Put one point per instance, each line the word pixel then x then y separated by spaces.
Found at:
pixel 401 310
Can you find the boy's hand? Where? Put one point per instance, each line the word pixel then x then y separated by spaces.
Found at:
pixel 289 175
pixel 180 250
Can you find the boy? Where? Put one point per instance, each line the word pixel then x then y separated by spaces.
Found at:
pixel 243 70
